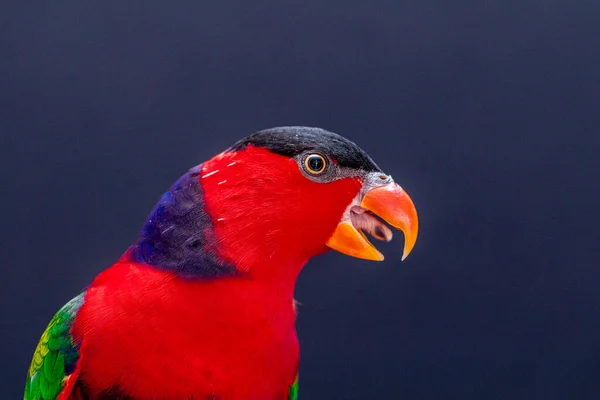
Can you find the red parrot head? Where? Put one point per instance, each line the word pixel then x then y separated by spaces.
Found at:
pixel 271 202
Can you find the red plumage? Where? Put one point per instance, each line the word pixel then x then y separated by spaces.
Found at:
pixel 155 334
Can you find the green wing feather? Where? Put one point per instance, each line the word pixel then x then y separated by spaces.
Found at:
pixel 55 355
pixel 294 390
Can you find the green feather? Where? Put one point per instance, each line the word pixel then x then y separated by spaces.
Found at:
pixel 294 390
pixel 54 355
pixel 48 365
pixel 28 390
pixel 45 389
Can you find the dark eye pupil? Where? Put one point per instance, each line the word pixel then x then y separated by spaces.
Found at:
pixel 315 163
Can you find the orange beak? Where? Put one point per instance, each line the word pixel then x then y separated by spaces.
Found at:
pixel 390 203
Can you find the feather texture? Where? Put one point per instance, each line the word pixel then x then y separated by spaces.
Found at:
pixel 55 356
pixel 201 306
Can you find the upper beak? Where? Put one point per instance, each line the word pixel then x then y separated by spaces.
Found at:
pixel 392 204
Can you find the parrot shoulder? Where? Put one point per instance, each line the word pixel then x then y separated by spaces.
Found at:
pixel 55 356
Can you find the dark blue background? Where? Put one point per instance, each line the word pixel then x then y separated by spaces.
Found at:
pixel 486 111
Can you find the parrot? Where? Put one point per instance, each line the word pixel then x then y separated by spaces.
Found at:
pixel 202 305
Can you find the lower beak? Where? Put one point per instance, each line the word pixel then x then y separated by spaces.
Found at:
pixel 390 203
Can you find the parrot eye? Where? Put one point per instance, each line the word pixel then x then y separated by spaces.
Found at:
pixel 315 164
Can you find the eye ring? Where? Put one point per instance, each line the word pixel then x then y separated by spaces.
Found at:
pixel 315 164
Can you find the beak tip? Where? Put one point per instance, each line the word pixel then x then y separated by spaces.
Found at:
pixel 408 248
pixel 393 204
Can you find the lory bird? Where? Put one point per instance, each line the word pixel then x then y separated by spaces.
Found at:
pixel 201 306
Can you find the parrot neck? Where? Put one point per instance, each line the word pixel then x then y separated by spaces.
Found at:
pixel 230 217
pixel 177 235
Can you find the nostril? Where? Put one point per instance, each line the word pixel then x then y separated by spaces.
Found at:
pixel 383 177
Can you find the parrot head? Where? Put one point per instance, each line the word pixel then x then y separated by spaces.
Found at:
pixel 274 200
